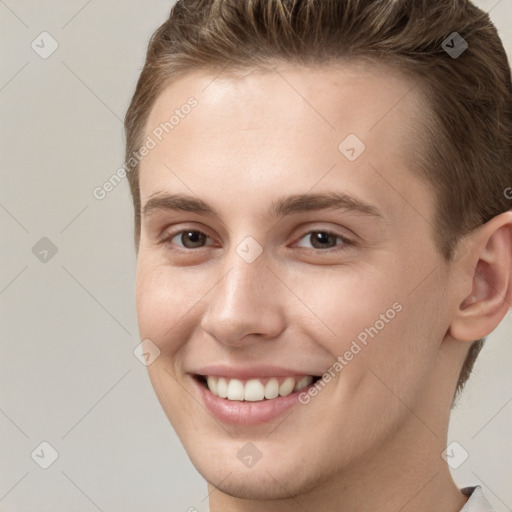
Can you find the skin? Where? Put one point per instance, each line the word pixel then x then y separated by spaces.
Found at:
pixel 372 438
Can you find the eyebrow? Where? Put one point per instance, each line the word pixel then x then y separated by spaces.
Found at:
pixel 282 206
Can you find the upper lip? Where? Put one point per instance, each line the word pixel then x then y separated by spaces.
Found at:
pixel 250 372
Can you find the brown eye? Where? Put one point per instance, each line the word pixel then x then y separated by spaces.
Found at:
pixel 189 239
pixel 325 240
pixel 322 239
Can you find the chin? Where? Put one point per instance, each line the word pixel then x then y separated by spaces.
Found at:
pixel 270 478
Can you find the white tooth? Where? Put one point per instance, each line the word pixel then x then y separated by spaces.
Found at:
pixel 212 384
pixel 286 386
pixel 272 389
pixel 303 383
pixel 222 388
pixel 254 390
pixel 235 390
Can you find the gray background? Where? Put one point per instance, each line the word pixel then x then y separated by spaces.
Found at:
pixel 68 325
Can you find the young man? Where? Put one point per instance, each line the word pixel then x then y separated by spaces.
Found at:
pixel 324 239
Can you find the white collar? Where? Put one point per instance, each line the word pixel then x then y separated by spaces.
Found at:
pixel 477 501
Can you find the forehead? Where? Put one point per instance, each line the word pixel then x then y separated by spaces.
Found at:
pixel 264 131
pixel 358 95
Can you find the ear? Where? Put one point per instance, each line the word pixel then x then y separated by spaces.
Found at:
pixel 487 271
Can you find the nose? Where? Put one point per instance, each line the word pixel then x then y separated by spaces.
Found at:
pixel 244 303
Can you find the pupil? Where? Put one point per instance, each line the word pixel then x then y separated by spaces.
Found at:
pixel 195 237
pixel 323 238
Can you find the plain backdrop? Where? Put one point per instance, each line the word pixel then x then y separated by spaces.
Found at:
pixel 69 376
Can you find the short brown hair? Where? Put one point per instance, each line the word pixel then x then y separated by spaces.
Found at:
pixel 466 155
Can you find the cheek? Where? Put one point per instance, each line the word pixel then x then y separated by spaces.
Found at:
pixel 165 297
pixel 350 305
pixel 375 326
pixel 154 302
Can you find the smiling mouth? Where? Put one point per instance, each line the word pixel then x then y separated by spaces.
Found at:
pixel 255 390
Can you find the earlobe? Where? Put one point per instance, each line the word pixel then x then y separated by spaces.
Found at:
pixel 490 297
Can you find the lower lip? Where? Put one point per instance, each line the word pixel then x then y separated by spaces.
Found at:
pixel 247 413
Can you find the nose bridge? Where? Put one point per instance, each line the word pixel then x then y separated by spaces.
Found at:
pixel 244 301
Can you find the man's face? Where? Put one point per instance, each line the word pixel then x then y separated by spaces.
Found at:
pixel 262 294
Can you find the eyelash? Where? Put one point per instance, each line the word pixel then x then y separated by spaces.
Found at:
pixel 346 243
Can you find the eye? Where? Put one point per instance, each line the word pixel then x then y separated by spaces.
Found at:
pixel 326 240
pixel 188 239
